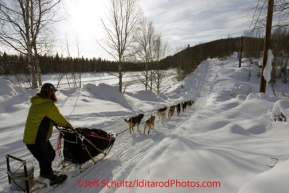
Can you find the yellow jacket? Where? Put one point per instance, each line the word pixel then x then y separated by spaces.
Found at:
pixel 39 124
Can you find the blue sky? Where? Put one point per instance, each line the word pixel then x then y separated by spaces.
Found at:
pixel 184 22
pixel 181 22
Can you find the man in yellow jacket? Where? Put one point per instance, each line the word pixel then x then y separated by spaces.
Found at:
pixel 43 114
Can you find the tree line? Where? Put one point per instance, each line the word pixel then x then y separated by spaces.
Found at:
pixel 131 40
pixel 15 64
pixel 184 61
pixel 189 58
pixel 148 71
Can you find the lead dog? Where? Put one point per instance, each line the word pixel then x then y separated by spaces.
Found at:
pixel 190 103
pixel 133 121
pixel 150 123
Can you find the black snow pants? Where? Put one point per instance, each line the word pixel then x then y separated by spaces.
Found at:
pixel 45 154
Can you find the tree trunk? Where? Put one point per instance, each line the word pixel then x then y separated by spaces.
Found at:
pixel 151 80
pixel 37 66
pixel 266 43
pixel 241 50
pixel 32 67
pixel 120 78
pixel 38 71
pixel 146 77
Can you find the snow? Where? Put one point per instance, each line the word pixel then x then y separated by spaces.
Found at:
pixel 226 139
pixel 268 67
pixel 243 89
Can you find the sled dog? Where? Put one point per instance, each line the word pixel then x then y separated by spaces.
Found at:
pixel 171 111
pixel 150 123
pixel 133 121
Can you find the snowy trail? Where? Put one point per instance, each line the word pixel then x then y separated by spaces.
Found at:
pixel 128 149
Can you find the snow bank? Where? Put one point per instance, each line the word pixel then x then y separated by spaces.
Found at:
pixel 146 95
pixel 7 90
pixel 280 109
pixel 106 92
pixel 273 180
pixel 215 98
pixel 13 98
pixel 242 89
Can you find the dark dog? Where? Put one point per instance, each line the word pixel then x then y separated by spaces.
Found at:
pixel 184 106
pixel 133 121
pixel 178 106
pixel 190 103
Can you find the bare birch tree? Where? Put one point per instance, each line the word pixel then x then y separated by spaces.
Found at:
pixel 122 18
pixel 78 57
pixel 159 52
pixel 144 39
pixel 25 26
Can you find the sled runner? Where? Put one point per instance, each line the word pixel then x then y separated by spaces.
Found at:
pixel 21 175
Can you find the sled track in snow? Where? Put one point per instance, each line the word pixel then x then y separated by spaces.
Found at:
pixel 129 149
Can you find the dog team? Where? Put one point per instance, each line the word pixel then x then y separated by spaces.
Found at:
pixel 161 113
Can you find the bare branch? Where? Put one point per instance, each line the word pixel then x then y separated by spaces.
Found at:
pixel 26 28
pixel 122 19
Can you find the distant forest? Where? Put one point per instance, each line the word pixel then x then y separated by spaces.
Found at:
pixel 185 61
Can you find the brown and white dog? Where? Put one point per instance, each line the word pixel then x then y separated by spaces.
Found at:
pixel 171 111
pixel 162 114
pixel 133 121
pixel 150 123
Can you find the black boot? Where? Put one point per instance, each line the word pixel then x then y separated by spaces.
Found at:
pixel 50 176
pixel 58 179
pixel 55 179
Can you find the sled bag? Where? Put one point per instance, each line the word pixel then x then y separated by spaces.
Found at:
pixel 73 150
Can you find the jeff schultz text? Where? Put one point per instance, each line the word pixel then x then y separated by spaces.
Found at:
pixel 147 183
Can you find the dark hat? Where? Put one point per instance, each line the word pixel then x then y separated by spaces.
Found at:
pixel 48 87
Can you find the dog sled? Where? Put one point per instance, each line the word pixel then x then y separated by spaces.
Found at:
pixel 80 146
